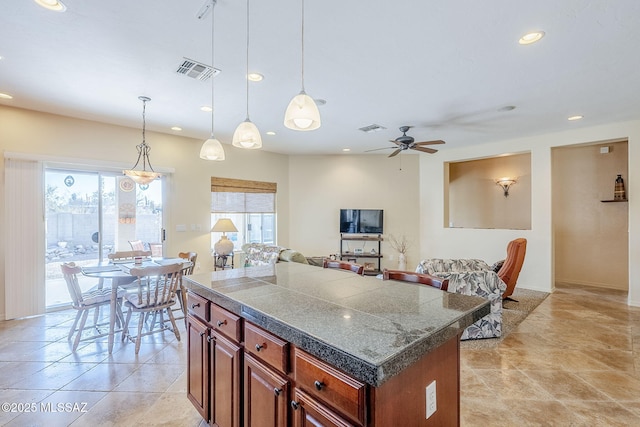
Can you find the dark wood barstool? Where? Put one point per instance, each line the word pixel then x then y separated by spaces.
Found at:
pixel 422 278
pixel 343 265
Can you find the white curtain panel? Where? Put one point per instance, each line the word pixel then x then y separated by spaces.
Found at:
pixel 24 281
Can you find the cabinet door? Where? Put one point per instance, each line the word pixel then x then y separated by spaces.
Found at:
pixel 225 381
pixel 266 395
pixel 308 412
pixel 198 366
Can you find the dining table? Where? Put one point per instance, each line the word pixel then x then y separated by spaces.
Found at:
pixel 118 273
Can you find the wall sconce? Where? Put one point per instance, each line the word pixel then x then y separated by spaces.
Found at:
pixel 505 183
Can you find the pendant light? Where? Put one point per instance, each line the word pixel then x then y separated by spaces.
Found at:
pixel 247 134
pixel 143 176
pixel 302 113
pixel 212 148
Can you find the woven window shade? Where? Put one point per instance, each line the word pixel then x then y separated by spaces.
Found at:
pixel 240 196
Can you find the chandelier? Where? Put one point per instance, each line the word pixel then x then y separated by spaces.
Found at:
pixel 143 176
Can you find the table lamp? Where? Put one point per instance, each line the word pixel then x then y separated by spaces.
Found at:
pixel 224 246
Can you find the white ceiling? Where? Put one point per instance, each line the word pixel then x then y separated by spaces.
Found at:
pixel 445 67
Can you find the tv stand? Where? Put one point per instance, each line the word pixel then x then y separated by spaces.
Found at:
pixel 355 253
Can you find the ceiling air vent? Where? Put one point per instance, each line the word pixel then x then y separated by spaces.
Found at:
pixel 196 70
pixel 372 128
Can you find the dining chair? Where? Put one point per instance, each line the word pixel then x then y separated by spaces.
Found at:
pixel 182 291
pixel 155 294
pixel 343 265
pixel 137 245
pixel 84 302
pixel 421 278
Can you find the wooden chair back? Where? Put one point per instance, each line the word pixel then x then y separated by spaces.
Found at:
pixel 343 265
pixel 422 278
pixel 157 285
pixel 191 256
pixel 136 245
pixel 70 273
pixel 510 270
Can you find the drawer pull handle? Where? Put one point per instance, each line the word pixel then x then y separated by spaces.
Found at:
pixel 209 339
pixel 277 391
pixel 259 347
pixel 193 306
pixel 318 385
pixel 294 405
pixel 202 334
pixel 221 322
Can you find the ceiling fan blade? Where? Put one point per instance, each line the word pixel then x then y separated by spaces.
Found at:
pixel 425 150
pixel 395 142
pixel 395 153
pixel 377 149
pixel 437 141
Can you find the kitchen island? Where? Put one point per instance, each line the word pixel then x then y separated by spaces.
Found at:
pixel 293 344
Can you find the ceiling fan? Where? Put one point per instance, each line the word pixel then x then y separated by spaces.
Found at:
pixel 406 142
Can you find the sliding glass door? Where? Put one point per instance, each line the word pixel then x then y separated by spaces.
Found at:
pixel 90 214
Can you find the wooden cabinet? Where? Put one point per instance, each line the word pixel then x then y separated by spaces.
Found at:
pixel 242 375
pixel 354 247
pixel 266 395
pixel 198 365
pixel 308 412
pixel 214 363
pixel 225 381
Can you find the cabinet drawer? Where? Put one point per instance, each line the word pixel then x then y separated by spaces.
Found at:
pixel 226 322
pixel 266 346
pixel 198 306
pixel 330 385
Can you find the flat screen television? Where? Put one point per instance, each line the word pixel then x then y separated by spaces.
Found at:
pixel 361 221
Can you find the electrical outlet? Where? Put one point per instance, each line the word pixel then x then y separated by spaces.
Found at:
pixel 432 405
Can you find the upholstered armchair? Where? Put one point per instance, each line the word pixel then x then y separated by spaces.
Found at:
pixel 471 277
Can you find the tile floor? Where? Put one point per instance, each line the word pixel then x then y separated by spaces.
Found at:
pixel 575 361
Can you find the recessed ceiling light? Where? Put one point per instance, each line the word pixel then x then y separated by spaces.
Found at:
pixel 54 5
pixel 5 96
pixel 176 128
pixel 320 102
pixel 255 77
pixel 346 149
pixel 507 108
pixel 206 109
pixel 572 118
pixel 270 133
pixel 531 37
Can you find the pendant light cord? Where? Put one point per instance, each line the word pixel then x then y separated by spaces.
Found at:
pixel 213 67
pixel 247 74
pixel 302 49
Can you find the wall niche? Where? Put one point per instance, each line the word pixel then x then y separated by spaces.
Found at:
pixel 476 201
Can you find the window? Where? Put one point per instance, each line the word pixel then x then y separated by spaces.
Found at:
pixel 251 207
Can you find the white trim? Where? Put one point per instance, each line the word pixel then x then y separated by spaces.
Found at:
pixel 77 163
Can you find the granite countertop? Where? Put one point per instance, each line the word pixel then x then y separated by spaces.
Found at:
pixel 367 327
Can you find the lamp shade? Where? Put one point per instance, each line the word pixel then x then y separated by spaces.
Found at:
pixel 224 225
pixel 302 113
pixel 142 177
pixel 247 136
pixel 212 150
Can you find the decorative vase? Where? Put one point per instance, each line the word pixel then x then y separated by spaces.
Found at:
pixel 619 192
pixel 402 262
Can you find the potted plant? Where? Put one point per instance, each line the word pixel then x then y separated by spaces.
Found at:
pixel 401 245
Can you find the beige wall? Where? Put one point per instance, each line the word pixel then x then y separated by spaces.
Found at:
pixel 322 185
pixel 591 241
pixel 476 201
pixel 537 273
pixel 189 196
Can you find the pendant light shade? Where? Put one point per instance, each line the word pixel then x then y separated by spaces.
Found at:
pixel 143 176
pixel 302 113
pixel 212 148
pixel 247 135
